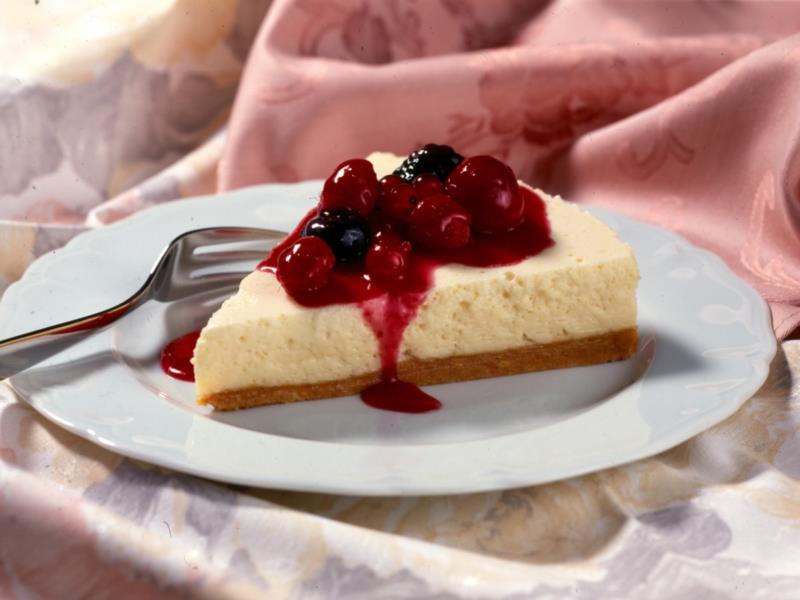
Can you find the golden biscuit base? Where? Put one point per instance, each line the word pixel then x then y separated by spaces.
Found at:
pixel 596 349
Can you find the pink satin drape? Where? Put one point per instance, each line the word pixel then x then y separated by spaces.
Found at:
pixel 683 114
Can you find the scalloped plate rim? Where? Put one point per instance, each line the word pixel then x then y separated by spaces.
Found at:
pixel 759 363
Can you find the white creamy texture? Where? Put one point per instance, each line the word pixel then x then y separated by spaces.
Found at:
pixel 585 284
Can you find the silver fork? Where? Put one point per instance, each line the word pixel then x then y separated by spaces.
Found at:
pixel 179 272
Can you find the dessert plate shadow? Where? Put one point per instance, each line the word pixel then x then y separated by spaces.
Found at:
pixel 705 348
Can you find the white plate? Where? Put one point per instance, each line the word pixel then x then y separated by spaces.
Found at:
pixel 706 345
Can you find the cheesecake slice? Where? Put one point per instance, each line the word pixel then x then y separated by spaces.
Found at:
pixel 571 302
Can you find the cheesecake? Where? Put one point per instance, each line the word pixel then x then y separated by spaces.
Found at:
pixel 416 271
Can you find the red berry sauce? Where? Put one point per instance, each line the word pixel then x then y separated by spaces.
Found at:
pixel 399 396
pixel 176 357
pixel 392 281
pixel 389 307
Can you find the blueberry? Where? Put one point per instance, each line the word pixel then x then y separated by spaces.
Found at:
pixel 346 232
pixel 431 158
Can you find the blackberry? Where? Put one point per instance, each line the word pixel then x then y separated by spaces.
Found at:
pixel 346 232
pixel 431 158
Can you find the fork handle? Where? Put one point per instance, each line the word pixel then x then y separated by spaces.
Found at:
pixel 28 349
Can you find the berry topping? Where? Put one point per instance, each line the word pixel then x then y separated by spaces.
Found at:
pixel 488 189
pixel 426 185
pixel 388 258
pixel 305 265
pixel 388 183
pixel 431 158
pixel 346 232
pixel 440 223
pixel 353 185
pixel 388 279
pixel 398 202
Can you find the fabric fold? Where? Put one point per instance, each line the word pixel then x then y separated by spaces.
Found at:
pixel 670 113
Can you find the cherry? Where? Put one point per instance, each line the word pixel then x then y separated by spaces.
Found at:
pixel 438 222
pixel 388 183
pixel 388 258
pixel 305 265
pixel 426 185
pixel 353 185
pixel 488 189
pixel 397 200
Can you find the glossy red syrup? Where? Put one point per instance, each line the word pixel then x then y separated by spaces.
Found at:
pixel 399 396
pixel 388 315
pixel 389 308
pixel 176 357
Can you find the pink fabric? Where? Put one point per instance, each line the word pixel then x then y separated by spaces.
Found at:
pixel 684 114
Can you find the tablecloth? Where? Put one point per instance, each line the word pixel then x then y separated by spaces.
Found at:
pixel 106 109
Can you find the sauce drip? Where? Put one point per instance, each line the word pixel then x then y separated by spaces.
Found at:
pixel 390 309
pixel 176 357
pixel 388 316
pixel 399 396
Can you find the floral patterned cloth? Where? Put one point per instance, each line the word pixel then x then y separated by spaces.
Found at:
pixel 678 113
pixel 683 114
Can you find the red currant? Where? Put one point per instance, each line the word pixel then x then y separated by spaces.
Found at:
pixel 388 258
pixel 353 185
pixel 398 201
pixel 440 223
pixel 305 265
pixel 426 185
pixel 488 189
